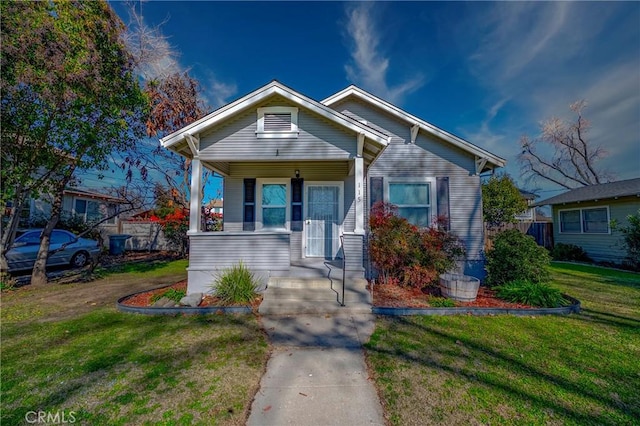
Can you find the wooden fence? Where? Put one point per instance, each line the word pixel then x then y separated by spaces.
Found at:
pixel 542 232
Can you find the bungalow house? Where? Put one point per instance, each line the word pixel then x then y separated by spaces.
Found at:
pixel 583 216
pixel 300 177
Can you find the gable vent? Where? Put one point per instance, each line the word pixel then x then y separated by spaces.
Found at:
pixel 277 122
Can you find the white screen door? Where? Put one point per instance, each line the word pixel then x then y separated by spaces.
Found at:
pixel 322 224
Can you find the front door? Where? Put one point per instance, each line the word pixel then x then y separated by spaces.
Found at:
pixel 323 219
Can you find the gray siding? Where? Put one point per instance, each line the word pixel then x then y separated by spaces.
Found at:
pixel 309 171
pixel 353 255
pixel 599 247
pixel 430 157
pixel 258 251
pixel 349 204
pixel 318 139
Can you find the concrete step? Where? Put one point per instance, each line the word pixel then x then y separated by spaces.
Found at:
pixel 319 294
pixel 314 296
pixel 298 307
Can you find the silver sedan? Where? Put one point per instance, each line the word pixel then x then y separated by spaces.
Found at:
pixel 65 248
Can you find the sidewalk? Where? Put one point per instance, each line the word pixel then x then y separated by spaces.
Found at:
pixel 316 374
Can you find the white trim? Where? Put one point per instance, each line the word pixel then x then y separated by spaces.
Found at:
pixel 582 231
pixel 433 206
pixel 413 120
pixel 305 209
pixel 258 204
pixel 195 201
pixel 358 164
pixel 293 132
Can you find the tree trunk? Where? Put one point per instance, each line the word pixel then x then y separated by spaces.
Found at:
pixel 39 273
pixel 9 232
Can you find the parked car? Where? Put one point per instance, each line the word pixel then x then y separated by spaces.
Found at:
pixel 75 252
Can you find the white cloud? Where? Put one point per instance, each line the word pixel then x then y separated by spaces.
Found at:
pixel 217 93
pixel 544 56
pixel 369 66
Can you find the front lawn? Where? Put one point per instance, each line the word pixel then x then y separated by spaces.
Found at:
pixel 577 369
pixel 84 358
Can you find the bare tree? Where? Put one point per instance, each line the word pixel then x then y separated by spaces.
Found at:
pixel 563 154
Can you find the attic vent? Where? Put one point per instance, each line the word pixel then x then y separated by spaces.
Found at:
pixel 277 122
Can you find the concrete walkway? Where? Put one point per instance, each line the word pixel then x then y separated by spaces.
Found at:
pixel 317 374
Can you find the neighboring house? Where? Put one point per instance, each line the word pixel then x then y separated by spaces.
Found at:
pixel 529 215
pixel 583 216
pixel 299 174
pixel 87 206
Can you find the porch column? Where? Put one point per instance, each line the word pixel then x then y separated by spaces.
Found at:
pixel 359 177
pixel 195 202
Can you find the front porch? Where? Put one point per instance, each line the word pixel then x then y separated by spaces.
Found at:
pixel 269 256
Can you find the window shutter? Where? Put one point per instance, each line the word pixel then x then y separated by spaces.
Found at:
pixel 296 204
pixel 442 188
pixel 249 216
pixel 375 190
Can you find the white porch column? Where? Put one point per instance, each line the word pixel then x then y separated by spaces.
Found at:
pixel 195 203
pixel 359 178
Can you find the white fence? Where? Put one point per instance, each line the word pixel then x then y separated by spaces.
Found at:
pixel 145 235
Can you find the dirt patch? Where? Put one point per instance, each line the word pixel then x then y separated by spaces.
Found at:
pixel 401 297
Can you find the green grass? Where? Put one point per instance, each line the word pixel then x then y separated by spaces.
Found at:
pixel 578 369
pixel 113 368
pixel 152 269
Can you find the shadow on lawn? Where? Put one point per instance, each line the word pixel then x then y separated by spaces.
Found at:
pixel 607 318
pixel 142 349
pixel 522 367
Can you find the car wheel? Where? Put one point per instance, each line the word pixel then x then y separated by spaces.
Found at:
pixel 80 259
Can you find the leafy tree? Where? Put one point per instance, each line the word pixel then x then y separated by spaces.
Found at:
pixel 563 154
pixel 68 92
pixel 501 201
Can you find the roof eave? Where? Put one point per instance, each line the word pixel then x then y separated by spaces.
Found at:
pixel 392 109
pixel 260 94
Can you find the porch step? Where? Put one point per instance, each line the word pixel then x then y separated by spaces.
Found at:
pixel 314 296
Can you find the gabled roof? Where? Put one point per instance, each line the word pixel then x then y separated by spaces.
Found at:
pixel 411 119
pixel 259 95
pixel 622 188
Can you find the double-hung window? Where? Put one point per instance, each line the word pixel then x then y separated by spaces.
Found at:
pixel 273 197
pixel 415 199
pixel 584 221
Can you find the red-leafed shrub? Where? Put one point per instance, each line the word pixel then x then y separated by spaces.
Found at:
pixel 406 255
pixel 175 224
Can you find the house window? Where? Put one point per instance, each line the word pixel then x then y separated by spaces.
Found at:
pixel 414 199
pixel 595 221
pixel 273 209
pixel 94 211
pixel 586 221
pixel 277 122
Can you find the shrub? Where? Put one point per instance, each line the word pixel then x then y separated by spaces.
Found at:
pixel 402 253
pixel 516 256
pixel 631 238
pixel 236 285
pixel 172 293
pixel 531 293
pixel 569 252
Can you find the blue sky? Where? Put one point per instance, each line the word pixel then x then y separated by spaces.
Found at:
pixel 488 72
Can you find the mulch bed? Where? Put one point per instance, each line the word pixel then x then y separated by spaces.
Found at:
pixel 394 296
pixel 143 300
pixel 383 296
